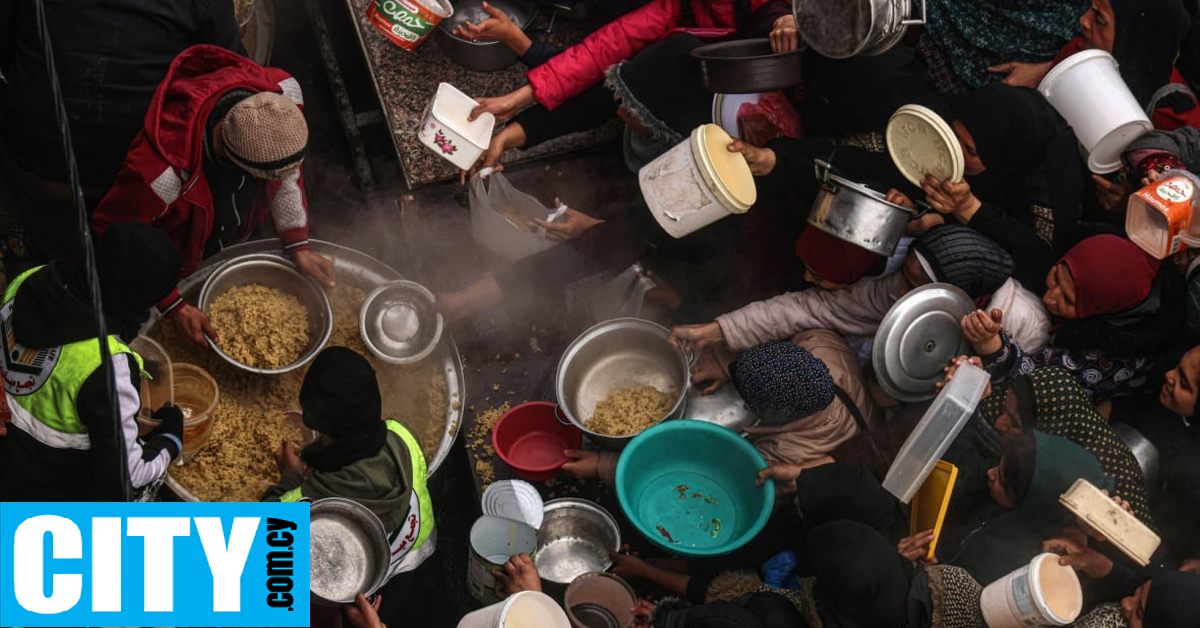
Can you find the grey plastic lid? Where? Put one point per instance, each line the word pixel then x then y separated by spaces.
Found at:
pixel 917 338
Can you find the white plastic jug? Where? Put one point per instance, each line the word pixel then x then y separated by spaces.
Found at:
pixel 1088 91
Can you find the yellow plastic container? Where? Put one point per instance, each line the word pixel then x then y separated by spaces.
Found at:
pixel 932 500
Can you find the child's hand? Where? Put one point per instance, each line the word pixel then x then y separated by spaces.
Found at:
pixel 982 330
pixel 760 160
pixel 499 27
pixel 583 464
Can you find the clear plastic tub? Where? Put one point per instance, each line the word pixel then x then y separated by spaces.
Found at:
pixel 936 430
pixel 157 381
pixel 196 395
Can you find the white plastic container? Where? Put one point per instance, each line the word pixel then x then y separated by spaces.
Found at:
pixel 932 436
pixel 493 541
pixel 1087 90
pixel 1159 217
pixel 445 130
pixel 697 182
pixel 1042 593
pixel 527 609
pixel 1121 528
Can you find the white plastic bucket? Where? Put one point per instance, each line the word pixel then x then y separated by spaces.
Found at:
pixel 493 541
pixel 1042 593
pixel 1087 90
pixel 445 130
pixel 686 190
pixel 527 609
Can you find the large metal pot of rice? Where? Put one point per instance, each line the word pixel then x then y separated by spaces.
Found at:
pixel 354 268
pixel 621 368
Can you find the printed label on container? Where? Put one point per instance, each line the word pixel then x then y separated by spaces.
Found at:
pixel 154 564
pixel 405 23
pixel 1175 190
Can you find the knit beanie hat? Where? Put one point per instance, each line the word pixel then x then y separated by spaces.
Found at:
pixel 1111 275
pixel 832 258
pixel 266 135
pixel 782 382
pixel 963 257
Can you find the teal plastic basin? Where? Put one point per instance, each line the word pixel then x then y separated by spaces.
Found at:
pixel 688 487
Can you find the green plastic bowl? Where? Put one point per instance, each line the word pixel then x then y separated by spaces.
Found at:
pixel 688 487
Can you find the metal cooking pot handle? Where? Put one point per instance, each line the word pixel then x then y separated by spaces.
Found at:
pixel 559 418
pixel 922 209
pixel 821 168
pixel 911 22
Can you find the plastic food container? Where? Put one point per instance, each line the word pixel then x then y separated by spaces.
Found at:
pixel 493 541
pixel 446 131
pixel 932 436
pixel 1117 525
pixel 407 23
pixel 527 608
pixel 931 502
pixel 530 439
pixel 697 183
pixel 196 395
pixel 1042 593
pixel 1158 217
pixel 157 388
pixel 1088 91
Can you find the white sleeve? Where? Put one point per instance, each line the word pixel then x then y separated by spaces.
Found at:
pixel 129 403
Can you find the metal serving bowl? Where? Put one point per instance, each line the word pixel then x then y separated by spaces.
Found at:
pixel 575 538
pixel 613 354
pixel 280 274
pixel 348 551
pixel 747 66
pixel 398 322
pixel 481 56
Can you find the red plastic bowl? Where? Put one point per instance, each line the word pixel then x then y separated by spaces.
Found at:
pixel 530 439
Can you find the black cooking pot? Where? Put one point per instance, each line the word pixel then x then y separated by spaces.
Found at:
pixel 747 66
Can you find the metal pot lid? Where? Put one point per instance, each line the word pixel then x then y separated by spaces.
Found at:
pixel 917 338
pixel 836 29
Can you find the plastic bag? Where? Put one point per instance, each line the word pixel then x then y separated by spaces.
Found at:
pixel 500 215
pixel 624 295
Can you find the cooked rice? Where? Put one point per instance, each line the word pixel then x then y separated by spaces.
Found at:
pixel 259 326
pixel 237 464
pixel 630 410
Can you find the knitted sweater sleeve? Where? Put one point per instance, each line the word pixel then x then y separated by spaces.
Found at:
pixel 289 211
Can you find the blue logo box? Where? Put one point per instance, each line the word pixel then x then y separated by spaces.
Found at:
pixel 153 564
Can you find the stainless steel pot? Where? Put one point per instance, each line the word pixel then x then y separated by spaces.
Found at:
pixel 1144 450
pixel 839 29
pixel 481 56
pixel 857 214
pixel 348 551
pixel 575 538
pixel 613 354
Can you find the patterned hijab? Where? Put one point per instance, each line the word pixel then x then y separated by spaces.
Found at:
pixel 782 382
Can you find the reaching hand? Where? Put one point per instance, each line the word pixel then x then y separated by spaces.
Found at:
pixel 584 464
pixel 315 266
pixel 785 37
pixel 1112 195
pixel 919 226
pixel 899 198
pixel 364 614
pixel 628 567
pixel 1078 556
pixel 916 547
pixel 708 370
pixel 499 27
pixel 503 107
pixel 1021 74
pixel 982 330
pixel 785 476
pixel 194 323
pixel 953 368
pixel 287 459
pixel 520 574
pixel 760 160
pixel 576 224
pixel 696 337
pixel 953 198
pixel 642 612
